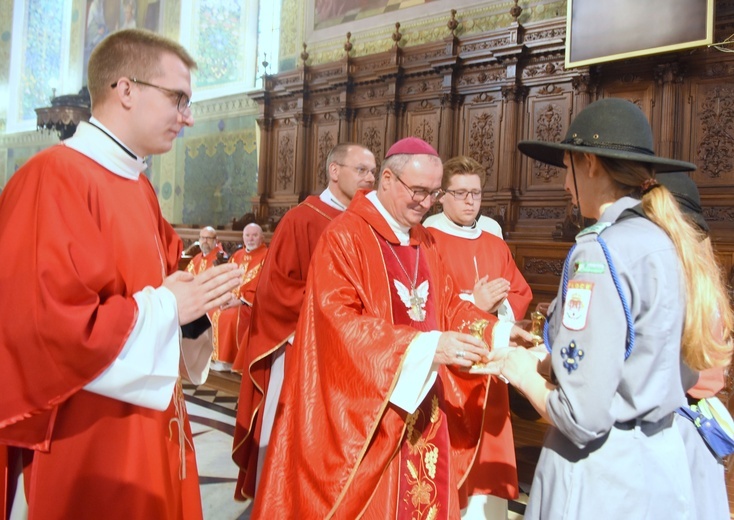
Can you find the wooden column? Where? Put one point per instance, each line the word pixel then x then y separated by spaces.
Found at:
pixel 668 79
pixel 509 172
pixel 448 126
pixel 303 154
pixel 583 87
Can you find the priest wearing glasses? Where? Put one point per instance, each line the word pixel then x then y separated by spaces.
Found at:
pixel 380 414
pixel 92 417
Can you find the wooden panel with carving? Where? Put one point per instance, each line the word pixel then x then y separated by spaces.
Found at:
pixel 480 136
pixel 422 119
pixel 711 141
pixel 283 181
pixel 326 134
pixel 371 130
pixel 634 89
pixel 541 264
pixel 548 118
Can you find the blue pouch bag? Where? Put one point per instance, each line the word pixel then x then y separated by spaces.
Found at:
pixel 714 423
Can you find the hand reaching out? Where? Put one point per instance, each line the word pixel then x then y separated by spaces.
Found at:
pixel 456 348
pixel 515 364
pixel 196 295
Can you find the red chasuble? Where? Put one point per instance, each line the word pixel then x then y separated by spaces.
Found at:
pixel 279 295
pixel 83 241
pixel 337 440
pixel 495 472
pixel 201 262
pixel 228 321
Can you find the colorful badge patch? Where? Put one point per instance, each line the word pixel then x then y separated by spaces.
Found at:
pixel 576 308
pixel 571 356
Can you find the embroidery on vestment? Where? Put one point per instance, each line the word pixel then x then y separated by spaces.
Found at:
pixel 251 274
pixel 422 458
pixel 414 299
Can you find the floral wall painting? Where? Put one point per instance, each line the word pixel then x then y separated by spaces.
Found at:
pixel 106 16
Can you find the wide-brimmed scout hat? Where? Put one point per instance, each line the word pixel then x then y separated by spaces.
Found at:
pixel 686 194
pixel 612 128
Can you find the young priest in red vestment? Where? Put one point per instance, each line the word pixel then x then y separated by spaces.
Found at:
pixel 484 272
pixel 380 416
pixel 92 418
pixel 278 298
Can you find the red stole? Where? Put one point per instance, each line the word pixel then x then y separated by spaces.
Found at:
pixel 424 451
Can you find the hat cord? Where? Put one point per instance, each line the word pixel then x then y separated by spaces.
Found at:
pixel 578 141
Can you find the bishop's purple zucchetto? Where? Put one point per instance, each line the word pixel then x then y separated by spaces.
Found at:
pixel 412 146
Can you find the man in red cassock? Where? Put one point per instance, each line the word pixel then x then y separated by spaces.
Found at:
pixel 211 254
pixel 279 294
pixel 92 418
pixel 231 319
pixel 210 250
pixel 380 416
pixel 484 272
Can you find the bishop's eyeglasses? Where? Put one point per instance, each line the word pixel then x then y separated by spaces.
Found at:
pixel 183 101
pixel 420 194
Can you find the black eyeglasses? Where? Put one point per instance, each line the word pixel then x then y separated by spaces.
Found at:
pixel 464 194
pixel 361 170
pixel 420 194
pixel 183 101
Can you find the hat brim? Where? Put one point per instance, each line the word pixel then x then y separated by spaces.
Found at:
pixel 552 153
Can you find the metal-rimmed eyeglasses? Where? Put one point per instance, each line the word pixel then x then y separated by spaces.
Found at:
pixel 361 170
pixel 420 194
pixel 183 101
pixel 465 194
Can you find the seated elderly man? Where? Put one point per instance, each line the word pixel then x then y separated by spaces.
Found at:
pixel 233 320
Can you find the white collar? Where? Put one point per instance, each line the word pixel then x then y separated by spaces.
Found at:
pixel 443 223
pixel 401 232
pixel 98 143
pixel 328 198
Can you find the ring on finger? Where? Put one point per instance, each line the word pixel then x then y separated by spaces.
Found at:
pixel 460 354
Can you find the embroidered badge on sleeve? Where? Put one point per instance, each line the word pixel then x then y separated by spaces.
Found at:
pixel 576 308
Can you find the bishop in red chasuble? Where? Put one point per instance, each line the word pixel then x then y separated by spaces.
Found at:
pixel 379 415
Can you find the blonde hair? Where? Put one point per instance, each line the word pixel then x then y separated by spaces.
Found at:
pixel 703 345
pixel 130 52
pixel 462 165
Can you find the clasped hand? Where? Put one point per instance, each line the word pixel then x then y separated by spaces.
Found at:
pixel 489 294
pixel 196 295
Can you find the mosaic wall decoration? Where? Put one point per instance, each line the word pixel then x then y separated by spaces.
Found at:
pixel 219 41
pixel 41 57
pixel 220 177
